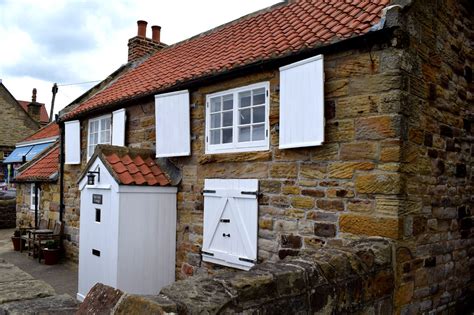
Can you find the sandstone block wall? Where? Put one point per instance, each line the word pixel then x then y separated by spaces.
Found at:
pixel 356 278
pixel 7 211
pixel 48 207
pixel 15 123
pixel 435 259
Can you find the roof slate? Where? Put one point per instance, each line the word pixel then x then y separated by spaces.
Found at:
pixel 44 118
pixel 48 131
pixel 43 169
pixel 130 166
pixel 268 34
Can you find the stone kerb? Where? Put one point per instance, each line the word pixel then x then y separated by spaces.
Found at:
pixel 356 277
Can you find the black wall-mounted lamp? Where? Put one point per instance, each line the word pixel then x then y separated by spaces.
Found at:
pixel 91 176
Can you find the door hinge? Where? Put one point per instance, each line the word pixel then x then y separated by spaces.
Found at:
pixel 207 253
pixel 266 92
pixel 225 220
pixel 208 191
pixel 253 261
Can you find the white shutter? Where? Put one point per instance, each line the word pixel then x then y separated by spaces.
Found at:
pixel 118 127
pixel 302 103
pixel 172 124
pixel 72 148
pixel 230 222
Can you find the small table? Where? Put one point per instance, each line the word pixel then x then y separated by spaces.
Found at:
pixel 32 238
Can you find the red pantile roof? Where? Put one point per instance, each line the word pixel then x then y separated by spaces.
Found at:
pixel 48 131
pixel 44 118
pixel 44 168
pixel 275 32
pixel 130 166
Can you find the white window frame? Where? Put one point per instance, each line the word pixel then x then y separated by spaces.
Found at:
pixel 32 197
pixel 89 151
pixel 236 146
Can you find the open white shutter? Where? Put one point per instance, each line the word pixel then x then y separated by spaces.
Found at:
pixel 72 147
pixel 302 103
pixel 172 124
pixel 118 127
pixel 230 222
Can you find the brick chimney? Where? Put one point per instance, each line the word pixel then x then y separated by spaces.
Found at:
pixel 34 108
pixel 140 46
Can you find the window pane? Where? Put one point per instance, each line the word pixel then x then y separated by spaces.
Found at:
pixel 227 119
pixel 259 114
pixel 244 116
pixel 215 136
pixel 102 137
pixel 258 132
pixel 259 96
pixel 107 137
pixel 227 135
pixel 244 134
pixel 106 123
pixel 228 102
pixel 215 120
pixel 244 99
pixel 215 104
pixel 95 138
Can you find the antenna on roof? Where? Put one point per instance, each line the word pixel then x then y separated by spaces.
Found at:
pixel 54 90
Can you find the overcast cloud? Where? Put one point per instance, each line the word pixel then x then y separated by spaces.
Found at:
pixel 48 41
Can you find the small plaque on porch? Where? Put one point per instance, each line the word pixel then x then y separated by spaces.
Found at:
pixel 97 199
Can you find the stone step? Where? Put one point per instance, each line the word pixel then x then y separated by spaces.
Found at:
pixel 58 305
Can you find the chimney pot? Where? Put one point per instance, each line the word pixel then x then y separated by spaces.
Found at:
pixel 33 97
pixel 141 28
pixel 155 33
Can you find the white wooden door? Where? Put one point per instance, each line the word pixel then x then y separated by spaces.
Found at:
pixel 230 222
pixel 96 261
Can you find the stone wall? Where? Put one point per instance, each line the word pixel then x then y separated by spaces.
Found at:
pixel 15 123
pixel 356 278
pixel 435 259
pixel 48 207
pixel 7 210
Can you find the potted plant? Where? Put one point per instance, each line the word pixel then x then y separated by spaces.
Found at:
pixel 17 241
pixel 51 252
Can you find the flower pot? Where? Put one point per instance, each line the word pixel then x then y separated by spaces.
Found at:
pixel 51 256
pixel 16 240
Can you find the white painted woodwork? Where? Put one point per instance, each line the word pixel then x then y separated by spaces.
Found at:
pixel 136 236
pixel 172 122
pixel 239 250
pixel 119 118
pixel 302 103
pixel 72 147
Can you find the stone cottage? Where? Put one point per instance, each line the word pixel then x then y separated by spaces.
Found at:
pixel 304 126
pixel 37 180
pixel 18 120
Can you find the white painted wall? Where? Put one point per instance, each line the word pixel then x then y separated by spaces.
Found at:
pixel 147 241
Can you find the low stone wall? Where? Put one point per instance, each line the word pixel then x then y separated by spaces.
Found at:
pixel 354 278
pixel 7 211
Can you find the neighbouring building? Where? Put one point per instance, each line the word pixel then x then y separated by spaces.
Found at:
pixel 37 180
pixel 299 129
pixel 18 120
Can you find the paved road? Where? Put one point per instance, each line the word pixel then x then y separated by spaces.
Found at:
pixel 28 287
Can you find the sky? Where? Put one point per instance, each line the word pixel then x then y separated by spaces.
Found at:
pixel 75 41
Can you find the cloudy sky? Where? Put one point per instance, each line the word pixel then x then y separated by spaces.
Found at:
pixel 75 41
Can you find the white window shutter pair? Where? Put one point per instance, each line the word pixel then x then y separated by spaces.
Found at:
pixel 230 222
pixel 302 103
pixel 72 134
pixel 172 123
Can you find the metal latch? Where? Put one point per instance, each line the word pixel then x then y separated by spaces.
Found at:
pixel 207 191
pixel 225 220
pixel 206 253
pixel 249 193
